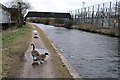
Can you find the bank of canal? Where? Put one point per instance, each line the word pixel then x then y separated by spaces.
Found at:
pixel 92 55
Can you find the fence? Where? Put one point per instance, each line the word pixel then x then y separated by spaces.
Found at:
pixel 101 15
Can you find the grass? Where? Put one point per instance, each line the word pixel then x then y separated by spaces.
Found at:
pixel 95 29
pixel 59 66
pixel 14 43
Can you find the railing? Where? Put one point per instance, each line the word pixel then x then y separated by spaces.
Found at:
pixel 101 15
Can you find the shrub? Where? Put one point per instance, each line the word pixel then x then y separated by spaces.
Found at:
pixel 68 24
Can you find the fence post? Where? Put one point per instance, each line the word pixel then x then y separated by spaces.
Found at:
pixel 78 16
pixel 115 15
pixel 109 24
pixel 85 15
pixel 75 16
pixel 88 15
pixel 119 18
pixel 119 40
pixel 98 15
pixel 103 15
pixel 93 15
pixel 81 15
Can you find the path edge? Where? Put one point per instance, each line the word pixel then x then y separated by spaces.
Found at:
pixel 71 70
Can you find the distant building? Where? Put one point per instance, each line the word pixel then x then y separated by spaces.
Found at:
pixel 5 16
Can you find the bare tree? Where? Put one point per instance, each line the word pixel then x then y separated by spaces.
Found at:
pixel 21 8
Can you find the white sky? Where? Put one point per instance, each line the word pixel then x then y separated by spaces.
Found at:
pixel 59 5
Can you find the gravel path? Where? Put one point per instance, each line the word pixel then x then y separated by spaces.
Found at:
pixel 55 65
pixel 44 70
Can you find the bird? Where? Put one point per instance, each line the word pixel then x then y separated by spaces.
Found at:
pixel 34 53
pixel 42 57
pixel 38 56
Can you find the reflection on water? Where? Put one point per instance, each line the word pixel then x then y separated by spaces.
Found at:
pixel 92 55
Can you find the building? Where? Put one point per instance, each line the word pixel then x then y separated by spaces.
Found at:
pixel 5 16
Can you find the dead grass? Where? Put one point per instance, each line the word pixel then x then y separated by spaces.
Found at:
pixel 94 29
pixel 14 43
pixel 59 66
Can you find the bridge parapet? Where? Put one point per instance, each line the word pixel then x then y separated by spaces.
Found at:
pixel 47 15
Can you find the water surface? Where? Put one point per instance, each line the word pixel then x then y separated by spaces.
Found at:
pixel 92 55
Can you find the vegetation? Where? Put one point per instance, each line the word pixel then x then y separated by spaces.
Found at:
pixel 21 8
pixel 47 20
pixel 40 20
pixel 14 43
pixel 54 21
pixel 59 21
pixel 68 24
pixel 95 29
pixel 15 40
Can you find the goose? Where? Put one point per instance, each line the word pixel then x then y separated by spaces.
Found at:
pixel 42 57
pixel 34 53
pixel 37 56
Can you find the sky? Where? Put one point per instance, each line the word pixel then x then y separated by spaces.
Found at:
pixel 59 5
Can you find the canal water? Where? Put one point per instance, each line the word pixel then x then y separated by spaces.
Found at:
pixel 92 55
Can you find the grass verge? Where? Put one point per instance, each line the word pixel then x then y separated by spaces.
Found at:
pixel 94 29
pixel 15 41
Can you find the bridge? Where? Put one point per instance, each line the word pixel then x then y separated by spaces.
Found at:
pixel 47 15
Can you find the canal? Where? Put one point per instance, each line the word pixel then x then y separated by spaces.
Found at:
pixel 92 55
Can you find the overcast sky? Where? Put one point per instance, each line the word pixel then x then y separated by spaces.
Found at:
pixel 59 5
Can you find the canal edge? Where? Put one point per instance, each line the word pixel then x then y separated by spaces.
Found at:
pixel 71 70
